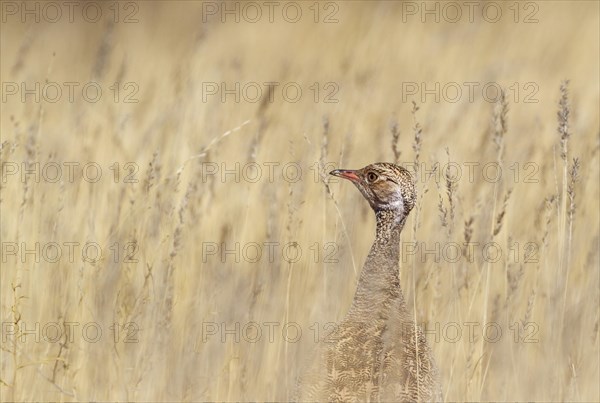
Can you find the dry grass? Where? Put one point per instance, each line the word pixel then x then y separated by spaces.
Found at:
pixel 542 293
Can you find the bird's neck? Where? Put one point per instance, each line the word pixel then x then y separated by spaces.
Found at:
pixel 379 283
pixel 387 233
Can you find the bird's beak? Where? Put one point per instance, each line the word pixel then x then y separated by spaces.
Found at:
pixel 346 174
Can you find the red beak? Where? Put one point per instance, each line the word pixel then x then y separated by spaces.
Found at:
pixel 346 174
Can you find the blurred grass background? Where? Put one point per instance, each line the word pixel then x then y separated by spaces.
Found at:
pixel 542 293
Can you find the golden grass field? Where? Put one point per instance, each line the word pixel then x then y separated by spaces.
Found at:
pixel 209 270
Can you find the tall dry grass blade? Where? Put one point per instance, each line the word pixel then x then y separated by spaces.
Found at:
pixel 395 132
pixel 417 141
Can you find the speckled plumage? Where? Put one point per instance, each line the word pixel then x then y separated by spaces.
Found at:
pixel 372 354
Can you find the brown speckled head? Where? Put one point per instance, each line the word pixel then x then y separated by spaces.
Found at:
pixel 386 186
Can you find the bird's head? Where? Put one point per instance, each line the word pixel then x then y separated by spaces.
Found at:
pixel 386 186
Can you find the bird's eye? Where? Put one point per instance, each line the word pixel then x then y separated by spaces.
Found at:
pixel 372 176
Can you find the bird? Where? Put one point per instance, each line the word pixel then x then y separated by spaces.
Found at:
pixel 377 352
